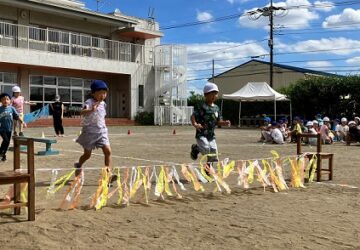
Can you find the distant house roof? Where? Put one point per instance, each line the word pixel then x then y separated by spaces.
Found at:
pixel 292 68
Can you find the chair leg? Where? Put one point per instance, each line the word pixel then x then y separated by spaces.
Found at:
pixel 31 203
pixel 17 210
pixel 331 168
pixel 318 170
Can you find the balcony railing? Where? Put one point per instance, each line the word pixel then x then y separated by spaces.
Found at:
pixel 51 40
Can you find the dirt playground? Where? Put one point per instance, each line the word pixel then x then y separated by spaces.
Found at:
pixel 323 215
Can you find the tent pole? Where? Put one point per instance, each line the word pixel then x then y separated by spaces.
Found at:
pixel 275 109
pixel 239 114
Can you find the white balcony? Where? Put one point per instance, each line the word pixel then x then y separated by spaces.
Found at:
pixel 81 47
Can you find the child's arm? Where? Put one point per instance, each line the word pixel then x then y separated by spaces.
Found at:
pixel 86 111
pixel 62 111
pixel 224 123
pixel 30 103
pixel 195 124
pixel 16 116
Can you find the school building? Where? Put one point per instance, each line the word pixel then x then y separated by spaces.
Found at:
pixel 50 47
pixel 259 71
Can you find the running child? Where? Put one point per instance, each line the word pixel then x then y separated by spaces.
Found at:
pixel 7 114
pixel 94 133
pixel 18 101
pixel 205 118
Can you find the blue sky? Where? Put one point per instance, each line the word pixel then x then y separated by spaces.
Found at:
pixel 319 35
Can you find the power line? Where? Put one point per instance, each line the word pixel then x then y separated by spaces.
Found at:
pixel 264 72
pixel 226 48
pixel 237 15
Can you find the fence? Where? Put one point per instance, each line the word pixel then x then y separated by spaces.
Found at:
pixel 57 41
pixel 171 115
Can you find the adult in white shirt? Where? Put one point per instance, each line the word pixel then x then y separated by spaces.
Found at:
pixel 276 134
pixel 342 129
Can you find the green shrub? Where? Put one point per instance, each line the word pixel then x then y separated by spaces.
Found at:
pixel 144 118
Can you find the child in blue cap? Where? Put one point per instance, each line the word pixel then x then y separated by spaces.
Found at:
pixel 94 133
pixel 7 114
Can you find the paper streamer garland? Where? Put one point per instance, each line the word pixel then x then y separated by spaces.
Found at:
pixel 131 181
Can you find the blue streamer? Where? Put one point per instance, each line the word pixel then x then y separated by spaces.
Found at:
pixel 37 114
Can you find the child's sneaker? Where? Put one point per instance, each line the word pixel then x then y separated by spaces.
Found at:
pixel 194 152
pixel 78 169
pixel 3 158
pixel 212 158
pixel 112 179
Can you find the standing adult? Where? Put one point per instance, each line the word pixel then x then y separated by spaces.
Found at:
pixel 58 113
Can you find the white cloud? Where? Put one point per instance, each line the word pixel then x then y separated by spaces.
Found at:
pixel 325 6
pixel 204 16
pixel 224 50
pixel 295 18
pixel 225 59
pixel 354 61
pixel 337 46
pixel 348 19
pixel 319 65
pixel 238 1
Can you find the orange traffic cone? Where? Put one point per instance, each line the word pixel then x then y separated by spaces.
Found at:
pixel 174 132
pixel 129 132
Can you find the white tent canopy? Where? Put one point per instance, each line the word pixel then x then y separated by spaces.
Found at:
pixel 256 91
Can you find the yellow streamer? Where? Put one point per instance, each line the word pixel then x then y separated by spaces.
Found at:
pixel 228 169
pixel 166 183
pixel 295 174
pixel 119 185
pixel 203 164
pixel 191 177
pixel 105 189
pixel 61 182
pixel 137 183
pixel 250 170
pixel 159 188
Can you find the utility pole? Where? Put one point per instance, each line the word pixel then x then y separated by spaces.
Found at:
pixel 271 44
pixel 270 12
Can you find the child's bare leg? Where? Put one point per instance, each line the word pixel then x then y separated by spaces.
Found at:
pixel 20 127
pixel 108 162
pixel 85 156
pixel 107 155
pixel 15 126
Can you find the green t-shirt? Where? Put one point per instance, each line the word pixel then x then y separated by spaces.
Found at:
pixel 207 116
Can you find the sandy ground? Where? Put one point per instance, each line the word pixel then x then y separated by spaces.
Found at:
pixel 322 216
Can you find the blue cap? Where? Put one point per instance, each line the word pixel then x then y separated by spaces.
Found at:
pixel 267 119
pixel 98 85
pixel 2 95
pixel 274 123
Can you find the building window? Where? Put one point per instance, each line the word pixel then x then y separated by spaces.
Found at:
pixel 73 91
pixel 141 95
pixel 7 81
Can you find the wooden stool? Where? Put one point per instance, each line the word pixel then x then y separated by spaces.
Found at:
pixel 15 177
pixel 320 155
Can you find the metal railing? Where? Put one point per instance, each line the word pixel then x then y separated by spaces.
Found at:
pixel 57 41
pixel 172 115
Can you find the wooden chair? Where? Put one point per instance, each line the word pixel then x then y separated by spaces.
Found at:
pixel 15 177
pixel 320 155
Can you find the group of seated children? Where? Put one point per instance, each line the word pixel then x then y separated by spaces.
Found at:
pixel 337 130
